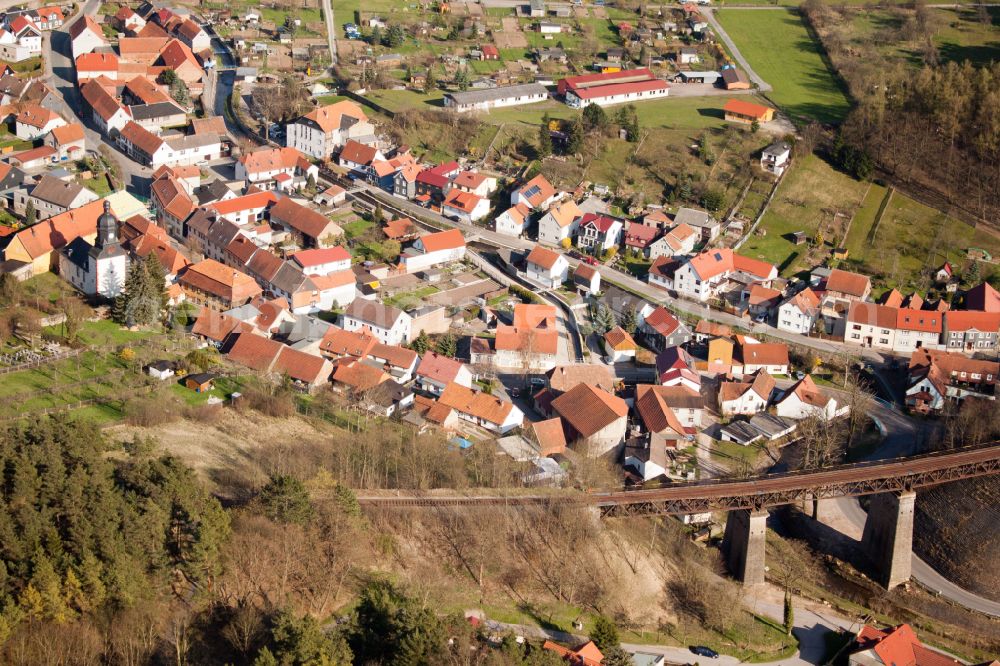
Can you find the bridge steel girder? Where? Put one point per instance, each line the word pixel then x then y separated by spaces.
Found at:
pixel 758 501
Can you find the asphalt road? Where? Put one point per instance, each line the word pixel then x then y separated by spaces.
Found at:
pixel 61 77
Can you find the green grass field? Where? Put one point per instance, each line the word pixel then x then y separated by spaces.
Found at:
pixel 810 190
pixel 782 52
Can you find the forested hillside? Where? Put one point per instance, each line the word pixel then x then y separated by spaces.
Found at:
pixel 927 110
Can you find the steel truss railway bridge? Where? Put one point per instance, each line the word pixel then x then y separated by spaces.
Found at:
pixel 888 533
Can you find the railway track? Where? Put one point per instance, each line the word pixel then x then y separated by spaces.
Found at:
pixel 866 478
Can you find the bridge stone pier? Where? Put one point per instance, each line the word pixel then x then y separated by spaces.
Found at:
pixel 743 545
pixel 888 536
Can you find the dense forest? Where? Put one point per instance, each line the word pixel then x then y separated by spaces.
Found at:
pixel 933 124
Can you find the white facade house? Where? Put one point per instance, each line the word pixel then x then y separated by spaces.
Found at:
pixel 434 249
pixel 513 221
pixel 547 267
pixel 774 159
pixel 562 221
pixel 35 121
pixel 702 277
pixel 465 206
pixel 86 35
pixel 681 239
pixel 599 232
pixel 20 40
pixel 390 325
pixel 804 400
pixel 799 313
pixel 491 98
pixel 323 131
pixel 323 261
pixel 482 409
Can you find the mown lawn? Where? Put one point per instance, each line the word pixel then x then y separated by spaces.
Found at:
pixel 779 48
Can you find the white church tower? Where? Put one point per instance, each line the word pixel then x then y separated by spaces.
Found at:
pixel 98 269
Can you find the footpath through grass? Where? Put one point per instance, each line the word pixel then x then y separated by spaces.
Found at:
pixel 779 48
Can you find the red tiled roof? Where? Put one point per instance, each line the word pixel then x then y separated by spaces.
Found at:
pixel 358 153
pixel 305 220
pixel 481 405
pixel 588 409
pixel 329 118
pixel 462 200
pixel 765 353
pixel 619 339
pixel 320 256
pixel 443 240
pixel 245 202
pixel 440 368
pixel 743 108
pixel 221 281
pixel 846 282
pixel 543 257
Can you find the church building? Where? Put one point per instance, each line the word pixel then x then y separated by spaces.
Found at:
pixel 98 269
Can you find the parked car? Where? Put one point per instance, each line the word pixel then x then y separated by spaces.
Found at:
pixel 703 651
pixel 591 260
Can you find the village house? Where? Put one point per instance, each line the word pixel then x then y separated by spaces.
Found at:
pixel 513 221
pixel 68 141
pixel 323 131
pixel 798 314
pixel 700 221
pixel 771 357
pixel 917 329
pixel 599 233
pixel 971 332
pixel 661 329
pixel 52 196
pixel 210 283
pixel 704 276
pixel 86 36
pixel 619 347
pixel 475 182
pixel 678 241
pixel 938 377
pixel 322 261
pixel 594 420
pixel 273 358
pixel 804 399
pixel 434 183
pixel 359 157
pixel 310 228
pixel 109 116
pixel 846 287
pixel 436 371
pixel 482 409
pixel 762 301
pixel 390 325
pixel 662 271
pixel 151 150
pixel 587 280
pixel 774 159
pixel 662 429
pixel 560 222
pixel 20 40
pixel 871 325
pixel 432 250
pixel 464 206
pixel 261 167
pixel 547 267
pixel 536 194
pixel 638 238
pixel 33 122
pixel 675 367
pixel 746 397
pixel 532 341
pixel 246 210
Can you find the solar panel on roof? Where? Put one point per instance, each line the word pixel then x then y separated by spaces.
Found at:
pixel 532 191
pixel 718 257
